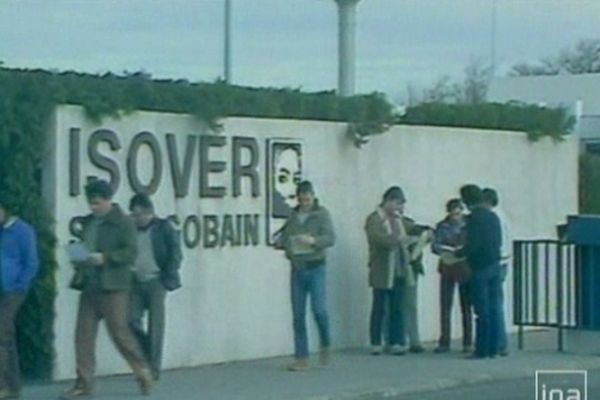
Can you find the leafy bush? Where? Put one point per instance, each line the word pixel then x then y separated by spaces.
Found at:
pixel 27 100
pixel 536 121
pixel 589 184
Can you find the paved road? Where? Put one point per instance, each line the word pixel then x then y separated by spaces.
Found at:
pixel 519 389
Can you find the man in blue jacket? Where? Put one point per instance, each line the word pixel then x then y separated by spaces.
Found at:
pixel 19 264
pixel 482 250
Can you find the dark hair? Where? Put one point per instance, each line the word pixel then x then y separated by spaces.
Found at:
pixel 471 195
pixel 98 188
pixel 393 193
pixel 141 200
pixel 453 204
pixel 490 196
pixel 305 187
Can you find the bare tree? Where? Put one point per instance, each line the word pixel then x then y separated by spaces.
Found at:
pixel 476 82
pixel 583 58
pixel 471 90
pixel 442 91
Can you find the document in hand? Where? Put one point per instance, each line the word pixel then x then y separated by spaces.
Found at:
pixel 423 239
pixel 299 247
pixel 78 252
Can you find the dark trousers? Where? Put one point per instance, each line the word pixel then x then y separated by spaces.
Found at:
pixel 9 359
pixel 113 307
pixel 387 302
pixel 149 297
pixel 486 294
pixel 305 282
pixel 447 289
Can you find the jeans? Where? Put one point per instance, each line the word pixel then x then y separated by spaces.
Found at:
pixel 502 335
pixel 305 281
pixel 486 292
pixel 447 289
pixel 389 300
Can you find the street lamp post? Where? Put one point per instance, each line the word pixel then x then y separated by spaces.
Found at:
pixel 346 46
pixel 227 47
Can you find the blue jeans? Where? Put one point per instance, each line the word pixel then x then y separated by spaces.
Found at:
pixel 486 292
pixel 304 282
pixel 387 302
pixel 502 335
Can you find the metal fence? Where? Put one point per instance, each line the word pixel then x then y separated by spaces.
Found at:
pixel 545 282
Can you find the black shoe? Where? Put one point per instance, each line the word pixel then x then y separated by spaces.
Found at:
pixel 503 353
pixel 441 349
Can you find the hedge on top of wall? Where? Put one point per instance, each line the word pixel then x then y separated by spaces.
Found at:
pixel 28 98
pixel 514 116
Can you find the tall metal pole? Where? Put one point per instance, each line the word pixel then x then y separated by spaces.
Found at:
pixel 493 39
pixel 346 46
pixel 227 55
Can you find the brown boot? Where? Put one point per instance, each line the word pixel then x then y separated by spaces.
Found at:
pixel 76 392
pixel 146 381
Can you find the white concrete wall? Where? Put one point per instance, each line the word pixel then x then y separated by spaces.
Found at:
pixel 235 302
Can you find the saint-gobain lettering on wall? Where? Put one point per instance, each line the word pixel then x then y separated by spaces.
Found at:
pixel 284 172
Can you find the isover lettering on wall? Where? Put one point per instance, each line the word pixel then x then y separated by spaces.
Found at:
pixel 209 231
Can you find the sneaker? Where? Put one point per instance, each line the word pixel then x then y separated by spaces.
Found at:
pixel 298 366
pixel 398 350
pixel 146 381
pixel 9 394
pixel 76 392
pixel 417 349
pixel 376 350
pixel 441 349
pixel 325 356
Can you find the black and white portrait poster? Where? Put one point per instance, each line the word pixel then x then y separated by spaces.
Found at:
pixel 284 172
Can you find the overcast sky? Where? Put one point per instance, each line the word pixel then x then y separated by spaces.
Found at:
pixel 290 43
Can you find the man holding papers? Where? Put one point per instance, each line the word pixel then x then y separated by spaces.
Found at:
pixel 104 280
pixel 306 235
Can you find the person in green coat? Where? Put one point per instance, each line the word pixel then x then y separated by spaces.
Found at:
pixel 104 279
pixel 305 237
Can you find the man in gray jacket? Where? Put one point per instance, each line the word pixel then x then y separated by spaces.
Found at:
pixel 154 273
pixel 306 235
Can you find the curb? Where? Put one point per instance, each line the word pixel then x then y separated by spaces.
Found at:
pixel 439 384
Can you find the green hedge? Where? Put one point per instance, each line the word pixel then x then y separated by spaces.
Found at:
pixel 536 121
pixel 27 99
pixel 589 184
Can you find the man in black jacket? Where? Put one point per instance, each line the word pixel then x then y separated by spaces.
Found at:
pixel 155 272
pixel 482 250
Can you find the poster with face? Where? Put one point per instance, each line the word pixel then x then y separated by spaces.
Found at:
pixel 284 172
